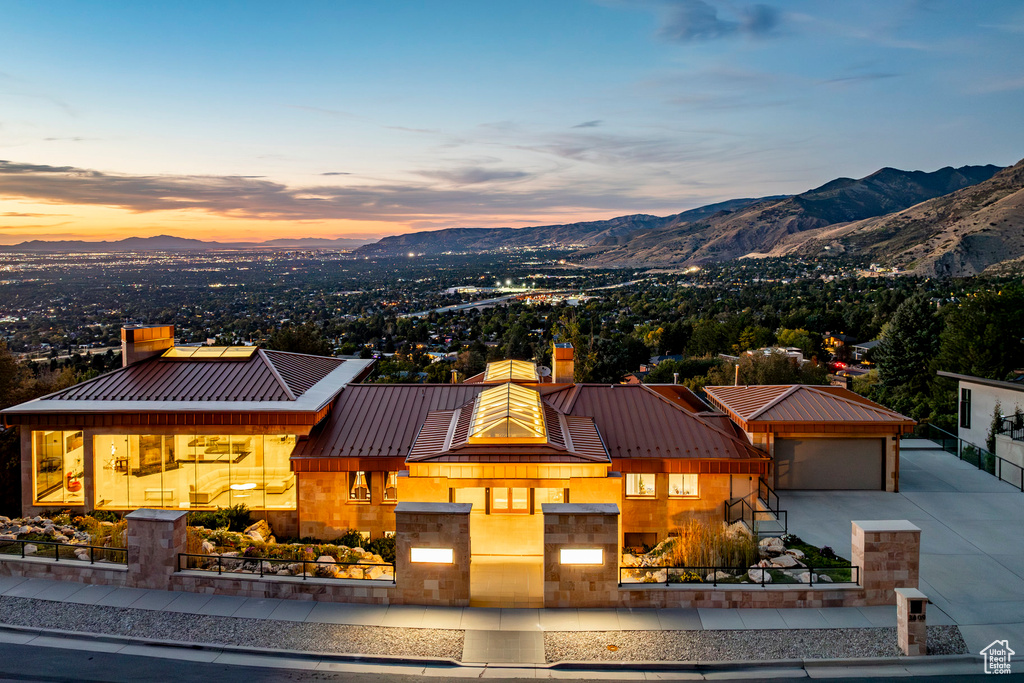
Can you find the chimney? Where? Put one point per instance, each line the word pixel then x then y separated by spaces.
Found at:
pixel 139 342
pixel 562 368
pixel 675 378
pixel 736 383
pixel 455 376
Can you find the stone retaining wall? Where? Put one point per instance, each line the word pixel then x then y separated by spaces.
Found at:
pixel 336 590
pixel 64 570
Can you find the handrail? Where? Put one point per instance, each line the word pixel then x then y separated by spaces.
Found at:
pixel 684 575
pixel 58 545
pixel 968 452
pixel 766 494
pixel 236 562
pixel 751 516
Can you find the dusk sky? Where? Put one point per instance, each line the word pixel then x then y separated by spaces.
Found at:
pixel 248 120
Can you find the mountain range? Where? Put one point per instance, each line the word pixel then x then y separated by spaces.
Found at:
pixel 953 221
pixel 169 243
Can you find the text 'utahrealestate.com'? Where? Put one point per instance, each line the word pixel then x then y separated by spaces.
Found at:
pixel 587 339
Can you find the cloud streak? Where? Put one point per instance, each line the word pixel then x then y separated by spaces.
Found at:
pixel 689 21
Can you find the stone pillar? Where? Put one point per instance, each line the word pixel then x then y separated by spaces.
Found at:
pixel 586 527
pixel 888 553
pixel 437 526
pixel 154 538
pixel 911 625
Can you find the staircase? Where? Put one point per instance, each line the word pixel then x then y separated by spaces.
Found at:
pixel 763 517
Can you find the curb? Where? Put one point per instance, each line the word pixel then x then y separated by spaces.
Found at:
pixel 443 662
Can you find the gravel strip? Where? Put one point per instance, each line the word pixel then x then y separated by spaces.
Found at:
pixel 687 646
pixel 258 633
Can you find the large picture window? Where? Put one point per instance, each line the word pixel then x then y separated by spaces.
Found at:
pixel 682 485
pixel 58 467
pixel 640 485
pixel 193 471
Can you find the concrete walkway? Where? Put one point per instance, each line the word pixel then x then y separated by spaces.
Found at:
pixel 972 546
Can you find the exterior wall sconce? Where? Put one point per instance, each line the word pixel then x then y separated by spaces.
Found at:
pixel 435 555
pixel 594 556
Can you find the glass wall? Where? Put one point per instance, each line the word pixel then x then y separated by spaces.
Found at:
pixel 58 468
pixel 191 471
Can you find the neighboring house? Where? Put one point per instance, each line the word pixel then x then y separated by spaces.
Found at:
pixel 819 437
pixel 833 341
pixel 976 405
pixel 860 351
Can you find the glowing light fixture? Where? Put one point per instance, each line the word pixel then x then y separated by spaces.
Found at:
pixel 435 555
pixel 581 556
pixel 209 352
pixel 508 413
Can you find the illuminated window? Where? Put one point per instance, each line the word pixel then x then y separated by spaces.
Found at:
pixel 511 370
pixel 508 413
pixel 510 500
pixel 57 468
pixel 209 352
pixel 682 485
pixel 359 486
pixel 391 486
pixel 640 485
pixel 546 495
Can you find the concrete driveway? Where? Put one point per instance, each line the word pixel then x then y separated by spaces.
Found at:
pixel 972 537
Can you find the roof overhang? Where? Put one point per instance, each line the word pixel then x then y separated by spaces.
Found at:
pixel 996 383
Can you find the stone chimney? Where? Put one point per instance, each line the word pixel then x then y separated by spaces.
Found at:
pixel 139 342
pixel 562 368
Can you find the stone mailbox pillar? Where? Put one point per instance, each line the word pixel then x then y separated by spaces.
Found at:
pixel 581 554
pixel 154 539
pixel 911 625
pixel 888 553
pixel 432 553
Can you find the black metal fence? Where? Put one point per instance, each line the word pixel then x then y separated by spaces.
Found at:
pixel 981 458
pixel 269 566
pixel 59 552
pixel 838 574
pixel 1013 427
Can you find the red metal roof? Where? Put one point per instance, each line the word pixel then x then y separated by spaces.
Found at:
pixel 801 403
pixel 265 376
pixel 631 421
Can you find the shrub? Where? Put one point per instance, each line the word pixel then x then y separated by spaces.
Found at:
pixel 351 538
pixel 105 516
pixel 234 518
pixel 712 545
pixel 384 546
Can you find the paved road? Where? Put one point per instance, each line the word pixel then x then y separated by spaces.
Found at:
pixel 33 663
pixel 972 549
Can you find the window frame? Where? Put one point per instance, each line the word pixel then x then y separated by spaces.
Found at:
pixel 367 479
pixel 639 480
pixel 388 477
pixel 696 487
pixel 965 408
pixel 510 508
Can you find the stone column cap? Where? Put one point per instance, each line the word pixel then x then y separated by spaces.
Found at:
pixel 911 594
pixel 579 508
pixel 153 515
pixel 435 508
pixel 883 525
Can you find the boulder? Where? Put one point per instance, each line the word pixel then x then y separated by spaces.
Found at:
pixel 824 578
pixel 8 537
pixel 630 560
pixel 804 577
pixel 22 530
pixel 796 552
pixel 717 576
pixel 660 576
pixel 785 561
pixel 260 527
pixel 374 573
pixel 30 549
pixel 207 548
pixel 759 575
pixel 354 572
pixel 5 520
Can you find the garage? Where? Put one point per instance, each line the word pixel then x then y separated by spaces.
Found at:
pixel 847 464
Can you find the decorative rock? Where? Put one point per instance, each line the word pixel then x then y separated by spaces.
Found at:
pixel 759 575
pixel 207 548
pixel 30 549
pixel 630 561
pixel 804 577
pixel 374 573
pixel 24 530
pixel 796 552
pixel 785 561
pixel 8 537
pixel 259 527
pixel 824 578
pixel 355 572
pixel 718 576
pixel 5 520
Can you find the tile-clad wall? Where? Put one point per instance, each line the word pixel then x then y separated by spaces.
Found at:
pixel 889 558
pixel 326 513
pixel 662 514
pixel 154 539
pixel 581 526
pixel 432 525
pixel 65 570
pixel 323 590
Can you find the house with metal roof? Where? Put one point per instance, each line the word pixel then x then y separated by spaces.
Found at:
pixel 819 437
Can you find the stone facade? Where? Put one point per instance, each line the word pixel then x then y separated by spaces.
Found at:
pixel 888 553
pixel 326 512
pixel 154 539
pixel 432 525
pixel 738 596
pixel 911 622
pixel 663 513
pixel 65 570
pixel 581 526
pixel 286 588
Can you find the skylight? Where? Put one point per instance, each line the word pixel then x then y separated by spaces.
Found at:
pixel 508 413
pixel 209 352
pixel 511 370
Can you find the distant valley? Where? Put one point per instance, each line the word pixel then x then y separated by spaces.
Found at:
pixel 169 243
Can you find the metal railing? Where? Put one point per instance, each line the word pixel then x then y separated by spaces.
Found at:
pixel 981 458
pixel 758 521
pixel 97 553
pixel 263 566
pixel 1013 427
pixel 767 495
pixel 839 574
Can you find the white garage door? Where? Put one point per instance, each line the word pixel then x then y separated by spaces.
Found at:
pixel 829 464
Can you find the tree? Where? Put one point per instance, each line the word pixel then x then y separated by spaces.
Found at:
pixel 798 338
pixel 686 369
pixel 300 339
pixel 569 329
pixel 768 368
pixel 906 355
pixel 984 335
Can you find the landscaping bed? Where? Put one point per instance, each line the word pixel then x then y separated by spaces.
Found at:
pixel 65 535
